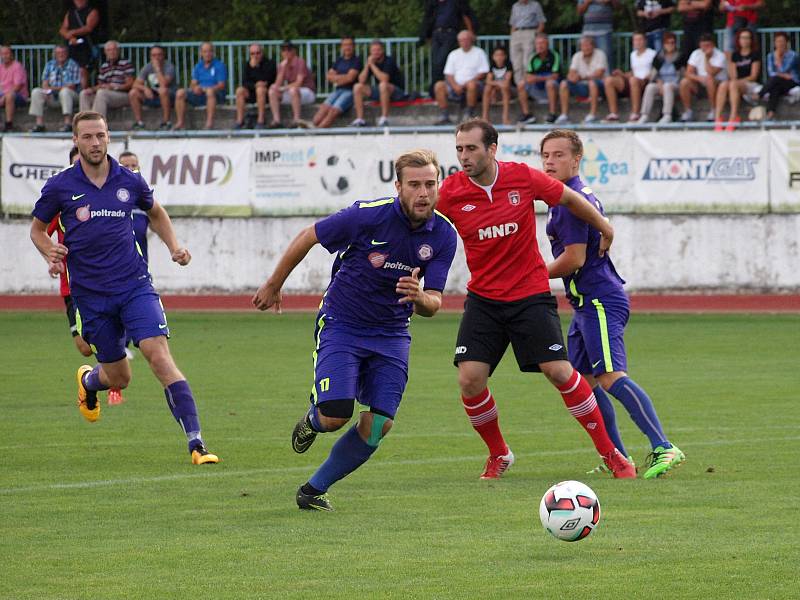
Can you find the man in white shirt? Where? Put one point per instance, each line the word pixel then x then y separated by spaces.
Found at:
pixel 632 82
pixel 464 73
pixel 585 78
pixel 705 69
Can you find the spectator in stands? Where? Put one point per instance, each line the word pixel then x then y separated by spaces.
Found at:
pixel 379 80
pixel 744 71
pixel 698 19
pixel 598 22
pixel 343 74
pixel 114 82
pixel 667 65
pixel 78 28
pixel 738 15
pixel 207 88
pixel 13 85
pixel 783 72
pixel 465 71
pixel 441 23
pixel 526 20
pixel 630 83
pixel 541 81
pixel 705 70
pixel 498 81
pixel 155 86
pixel 587 69
pixel 259 74
pixel 293 85
pixel 654 19
pixel 60 79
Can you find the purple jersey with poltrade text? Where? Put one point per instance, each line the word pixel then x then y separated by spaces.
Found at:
pixel 597 277
pixel 376 247
pixel 102 256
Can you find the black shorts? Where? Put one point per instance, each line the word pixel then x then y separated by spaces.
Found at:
pixel 531 325
pixel 73 323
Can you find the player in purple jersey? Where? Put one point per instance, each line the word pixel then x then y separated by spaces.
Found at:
pixel 595 340
pixel 141 222
pixel 384 248
pixel 109 280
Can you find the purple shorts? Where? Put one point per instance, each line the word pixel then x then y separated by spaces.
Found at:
pixel 595 341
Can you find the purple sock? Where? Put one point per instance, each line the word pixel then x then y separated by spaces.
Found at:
pixel 91 381
pixel 313 418
pixel 181 403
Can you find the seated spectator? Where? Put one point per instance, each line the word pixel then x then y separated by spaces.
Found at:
pixel 783 73
pixel 498 81
pixel 705 70
pixel 343 74
pixel 13 85
pixel 207 88
pixel 744 71
pixel 666 65
pixel 113 83
pixel 79 25
pixel 630 83
pixel 654 19
pixel 155 86
pixel 541 81
pixel 464 72
pixel 293 85
pixel 598 23
pixel 698 19
pixel 585 78
pixel 526 20
pixel 379 80
pixel 259 74
pixel 60 79
pixel 739 14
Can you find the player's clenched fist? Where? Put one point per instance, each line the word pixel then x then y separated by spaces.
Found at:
pixel 266 297
pixel 408 286
pixel 181 256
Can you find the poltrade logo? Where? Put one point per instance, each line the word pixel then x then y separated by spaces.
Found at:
pixel 595 166
pixel 725 168
pixel 196 169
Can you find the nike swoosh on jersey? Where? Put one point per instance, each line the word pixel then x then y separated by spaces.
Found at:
pixel 374 243
pixel 594 365
pixel 160 326
pixel 78 197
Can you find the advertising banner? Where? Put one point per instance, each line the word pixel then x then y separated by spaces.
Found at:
pixel 785 174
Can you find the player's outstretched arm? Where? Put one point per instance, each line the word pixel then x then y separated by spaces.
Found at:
pixel 426 303
pixel 578 206
pixel 568 262
pixel 162 225
pixel 52 252
pixel 269 294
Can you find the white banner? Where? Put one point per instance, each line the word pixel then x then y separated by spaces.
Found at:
pixel 785 173
pixel 28 162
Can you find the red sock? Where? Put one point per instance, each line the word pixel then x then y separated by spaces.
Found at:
pixel 482 413
pixel 580 401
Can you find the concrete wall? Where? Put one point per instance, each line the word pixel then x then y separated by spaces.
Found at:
pixel 735 253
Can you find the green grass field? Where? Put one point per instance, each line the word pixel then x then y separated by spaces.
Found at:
pixel 115 510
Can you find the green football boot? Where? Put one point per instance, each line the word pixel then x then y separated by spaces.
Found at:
pixel 661 460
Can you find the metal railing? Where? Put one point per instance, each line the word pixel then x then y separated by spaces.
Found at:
pixel 320 54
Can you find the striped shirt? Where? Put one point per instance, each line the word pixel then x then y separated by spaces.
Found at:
pixel 57 76
pixel 115 73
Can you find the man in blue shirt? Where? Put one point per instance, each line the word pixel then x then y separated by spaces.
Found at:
pixel 109 280
pixel 207 88
pixel 595 341
pixel 343 75
pixel 384 247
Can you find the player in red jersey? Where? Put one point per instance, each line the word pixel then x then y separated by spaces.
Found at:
pixel 508 296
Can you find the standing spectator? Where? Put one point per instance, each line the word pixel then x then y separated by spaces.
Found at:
pixel 526 20
pixel 541 82
pixel 705 70
pixel 667 65
pixel 259 74
pixel 585 78
pixel 654 18
pixel 343 74
pixel 698 19
pixel 293 85
pixel 631 83
pixel 498 79
pixel 465 70
pixel 78 28
pixel 598 22
pixel 13 85
pixel 207 88
pixel 744 71
pixel 114 82
pixel 738 15
pixel 380 79
pixel 783 72
pixel 441 23
pixel 60 78
pixel 155 86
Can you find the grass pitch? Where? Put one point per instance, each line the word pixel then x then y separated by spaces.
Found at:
pixel 115 510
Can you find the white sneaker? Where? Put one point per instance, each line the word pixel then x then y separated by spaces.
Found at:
pixel 710 115
pixel 383 122
pixel 687 116
pixel 590 118
pixel 358 123
pixel 642 120
pixel 562 119
pixel 665 119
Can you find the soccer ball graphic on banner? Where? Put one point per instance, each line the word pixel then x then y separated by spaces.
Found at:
pixel 569 510
pixel 337 174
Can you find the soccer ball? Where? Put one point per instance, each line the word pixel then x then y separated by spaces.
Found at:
pixel 569 510
pixel 337 173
